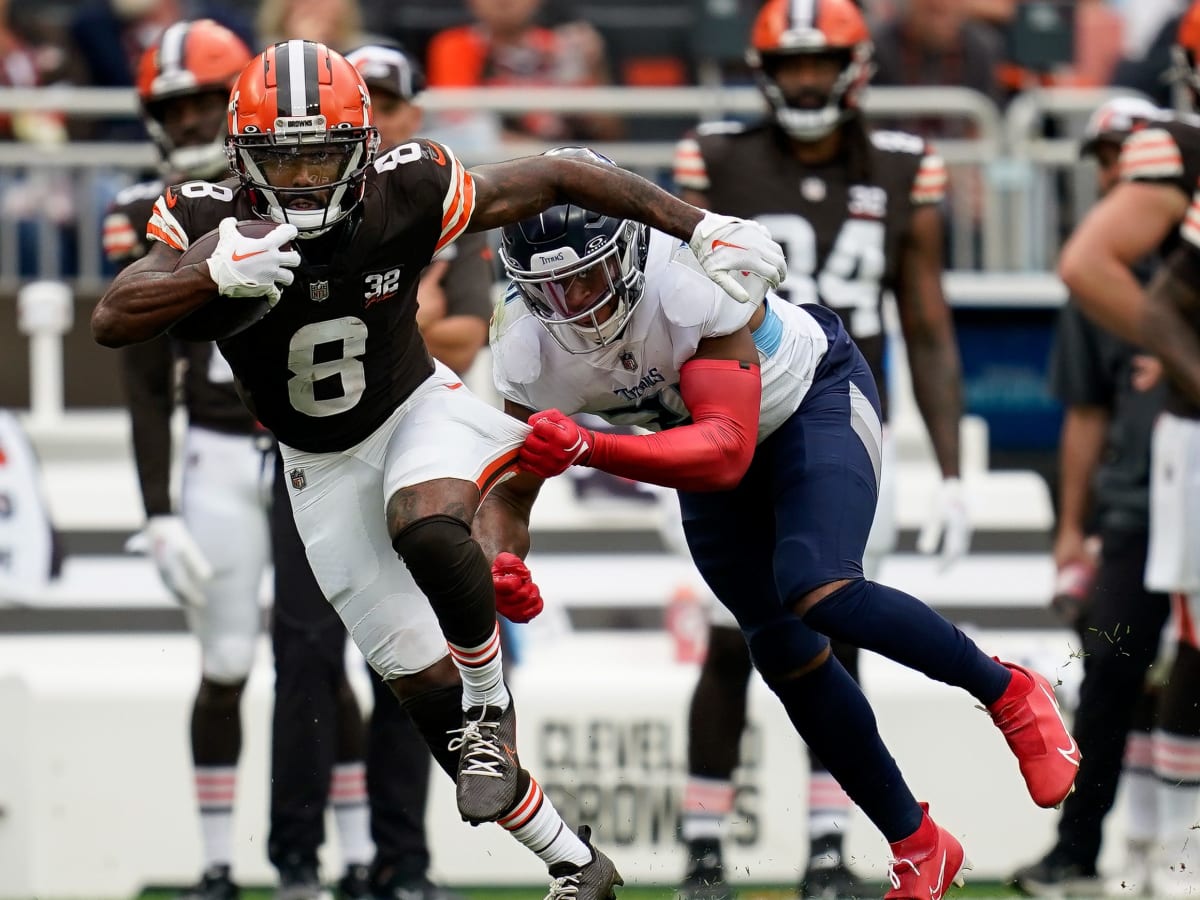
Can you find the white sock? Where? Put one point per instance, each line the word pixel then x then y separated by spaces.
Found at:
pixel 215 789
pixel 1141 788
pixel 828 806
pixel 536 824
pixel 348 796
pixel 707 803
pixel 1177 766
pixel 482 671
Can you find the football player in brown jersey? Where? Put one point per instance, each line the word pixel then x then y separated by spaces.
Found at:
pixel 183 83
pixel 858 214
pixel 387 453
pixel 1156 207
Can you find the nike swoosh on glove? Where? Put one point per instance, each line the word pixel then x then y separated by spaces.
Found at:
pixel 948 525
pixel 243 266
pixel 517 597
pixel 739 255
pixel 554 444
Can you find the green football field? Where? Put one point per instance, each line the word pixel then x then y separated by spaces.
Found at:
pixel 535 892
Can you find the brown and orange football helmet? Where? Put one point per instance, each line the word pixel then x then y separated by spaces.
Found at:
pixel 785 28
pixel 190 58
pixel 301 99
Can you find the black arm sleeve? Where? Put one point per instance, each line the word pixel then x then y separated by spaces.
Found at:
pixel 149 375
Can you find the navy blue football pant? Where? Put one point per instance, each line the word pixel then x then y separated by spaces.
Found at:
pixel 801 516
pixel 799 520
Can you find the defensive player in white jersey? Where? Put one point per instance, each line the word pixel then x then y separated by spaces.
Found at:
pixel 767 422
pixel 859 213
pixel 387 454
pixel 1156 207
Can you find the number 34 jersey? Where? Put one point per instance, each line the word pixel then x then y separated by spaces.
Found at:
pixel 843 238
pixel 340 351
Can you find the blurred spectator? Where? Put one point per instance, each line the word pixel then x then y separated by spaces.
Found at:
pixel 505 46
pixel 933 42
pixel 414 23
pixel 21 66
pixel 1149 70
pixel 337 23
pixel 39 204
pixel 1059 43
pixel 1143 20
pixel 111 35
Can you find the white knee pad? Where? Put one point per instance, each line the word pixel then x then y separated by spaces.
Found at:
pixel 227 659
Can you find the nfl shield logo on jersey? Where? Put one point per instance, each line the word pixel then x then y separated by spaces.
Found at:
pixel 318 291
pixel 628 361
pixel 298 479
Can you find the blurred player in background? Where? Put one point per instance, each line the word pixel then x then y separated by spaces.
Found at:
pixel 1112 393
pixel 1156 208
pixel 230 462
pixel 778 482
pixel 454 306
pixel 388 454
pixel 858 214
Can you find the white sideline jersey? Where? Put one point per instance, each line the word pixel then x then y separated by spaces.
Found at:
pixel 635 380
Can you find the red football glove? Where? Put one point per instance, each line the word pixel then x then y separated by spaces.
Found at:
pixel 555 444
pixel 517 597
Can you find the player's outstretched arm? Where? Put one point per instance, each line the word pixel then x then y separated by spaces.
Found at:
pixel 1096 263
pixel 929 337
pixel 722 389
pixel 1168 327
pixel 149 296
pixel 729 249
pixel 936 379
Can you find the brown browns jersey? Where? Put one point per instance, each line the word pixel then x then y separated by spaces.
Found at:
pixel 1167 151
pixel 149 369
pixel 843 237
pixel 340 351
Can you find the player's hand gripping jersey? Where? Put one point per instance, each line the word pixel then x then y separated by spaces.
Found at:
pixel 842 225
pixel 635 381
pixel 341 350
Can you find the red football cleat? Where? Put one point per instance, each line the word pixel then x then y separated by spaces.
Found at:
pixel 1029 717
pixel 926 863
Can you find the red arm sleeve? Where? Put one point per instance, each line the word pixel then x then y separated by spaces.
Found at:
pixel 711 454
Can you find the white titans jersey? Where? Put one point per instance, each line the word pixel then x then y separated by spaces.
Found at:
pixel 635 380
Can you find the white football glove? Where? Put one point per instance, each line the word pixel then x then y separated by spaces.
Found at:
pixel 731 250
pixel 181 564
pixel 948 525
pixel 252 267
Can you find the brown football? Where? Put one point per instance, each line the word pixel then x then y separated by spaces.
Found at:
pixel 222 317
